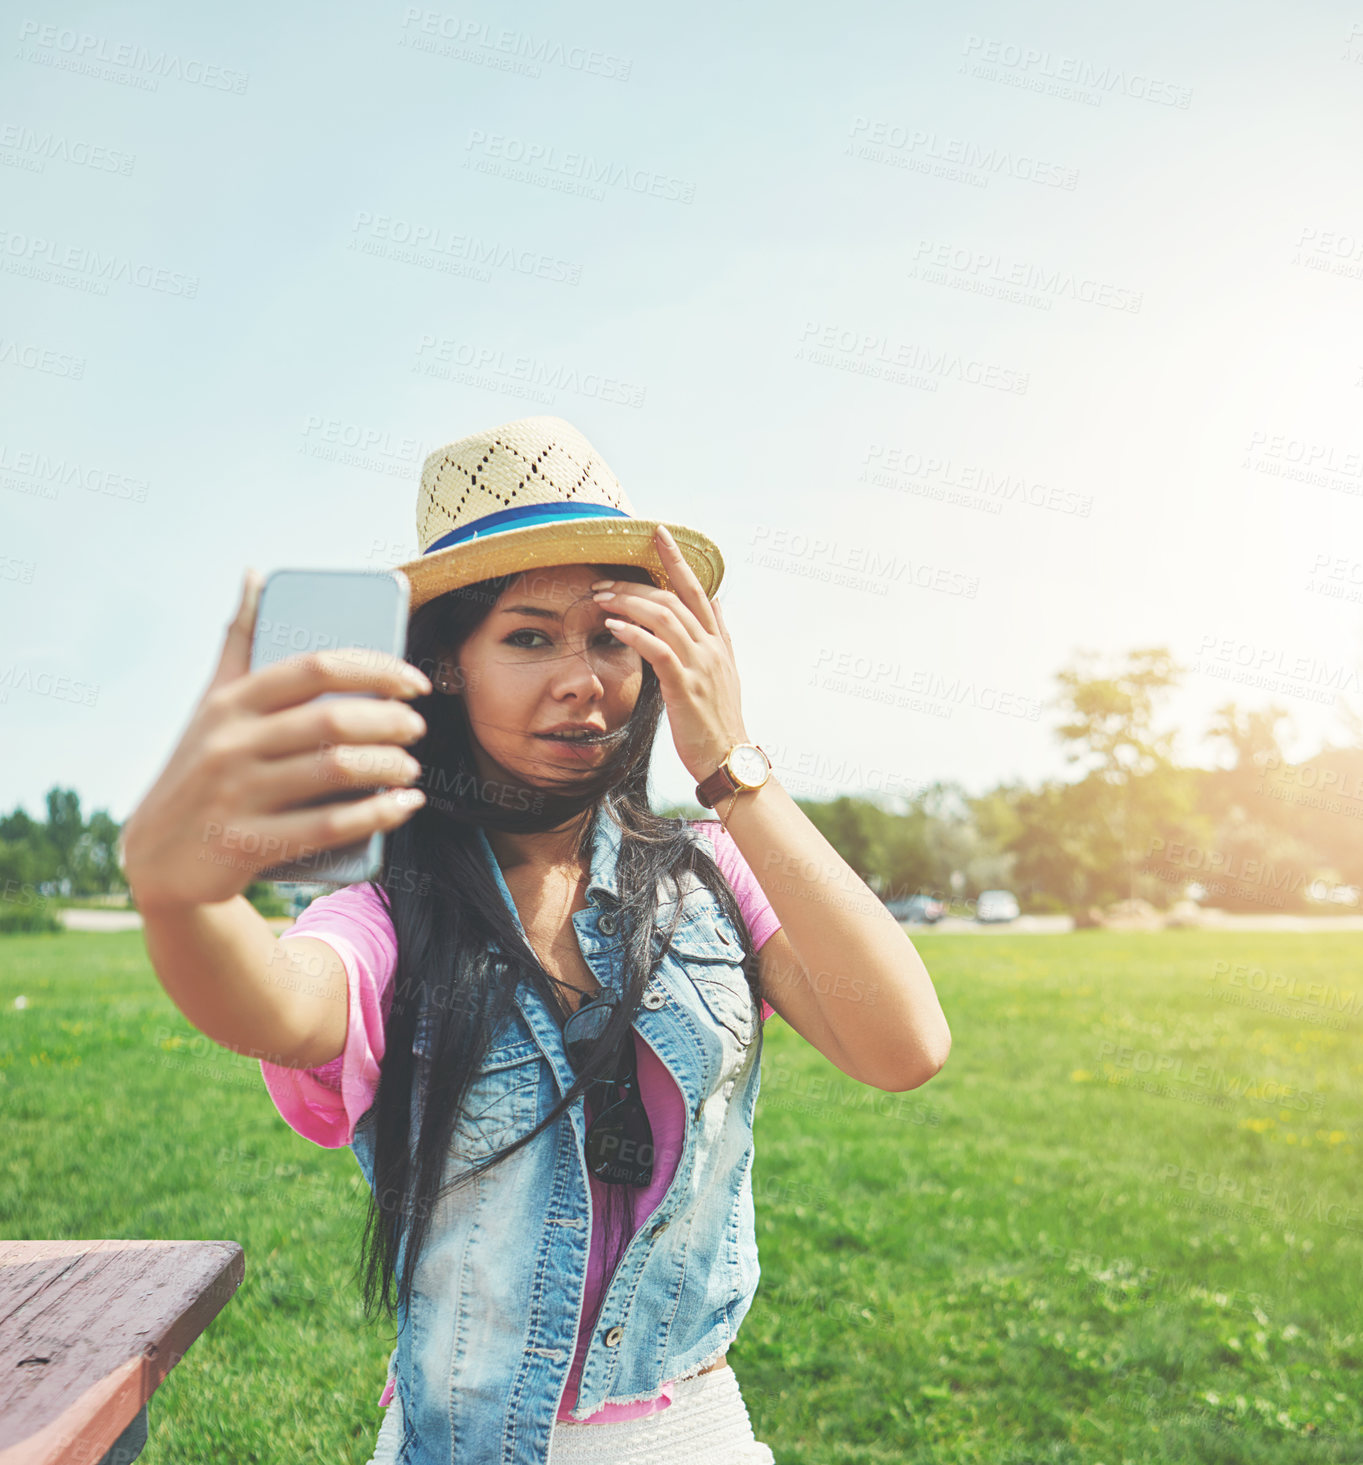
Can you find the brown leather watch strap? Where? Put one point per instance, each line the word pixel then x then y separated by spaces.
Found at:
pixel 718 786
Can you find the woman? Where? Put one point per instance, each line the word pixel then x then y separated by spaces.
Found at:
pixel 540 1030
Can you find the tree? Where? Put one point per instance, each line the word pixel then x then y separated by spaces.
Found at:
pixel 1064 847
pixel 993 863
pixel 887 850
pixel 96 856
pixel 19 827
pixel 1111 717
pixel 64 829
pixel 1283 825
pixel 1132 794
pixel 1251 734
pixel 962 839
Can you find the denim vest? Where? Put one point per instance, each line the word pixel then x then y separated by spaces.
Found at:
pixel 484 1350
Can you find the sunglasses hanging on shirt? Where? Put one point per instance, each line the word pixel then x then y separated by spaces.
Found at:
pixel 619 1142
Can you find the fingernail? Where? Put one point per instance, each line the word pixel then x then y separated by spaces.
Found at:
pixel 666 534
pixel 250 595
pixel 408 798
pixel 416 681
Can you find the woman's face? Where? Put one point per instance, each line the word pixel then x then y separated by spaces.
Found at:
pixel 544 657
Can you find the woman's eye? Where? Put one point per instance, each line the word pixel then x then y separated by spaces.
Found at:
pixel 608 636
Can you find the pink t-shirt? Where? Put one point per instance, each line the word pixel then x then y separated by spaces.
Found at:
pixel 324 1104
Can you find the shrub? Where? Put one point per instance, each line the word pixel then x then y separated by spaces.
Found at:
pixel 17 919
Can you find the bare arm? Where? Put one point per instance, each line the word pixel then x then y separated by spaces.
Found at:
pixel 227 805
pixel 280 1000
pixel 844 974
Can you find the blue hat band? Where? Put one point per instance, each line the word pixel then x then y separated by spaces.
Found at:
pixel 522 518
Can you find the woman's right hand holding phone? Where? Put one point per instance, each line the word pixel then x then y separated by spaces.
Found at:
pixel 225 806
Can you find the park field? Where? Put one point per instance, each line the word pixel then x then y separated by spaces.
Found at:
pixel 1123 1225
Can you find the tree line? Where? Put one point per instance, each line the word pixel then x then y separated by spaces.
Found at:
pixel 1254 832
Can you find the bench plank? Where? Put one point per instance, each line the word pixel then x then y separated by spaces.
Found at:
pixel 89 1329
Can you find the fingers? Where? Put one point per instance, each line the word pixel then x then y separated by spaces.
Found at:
pixel 235 661
pixel 330 771
pixel 657 611
pixel 298 679
pixel 720 622
pixel 298 834
pixel 687 587
pixel 335 720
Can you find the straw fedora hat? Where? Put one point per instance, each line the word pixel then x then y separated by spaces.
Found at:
pixel 531 493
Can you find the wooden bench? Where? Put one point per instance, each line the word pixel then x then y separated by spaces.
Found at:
pixel 88 1330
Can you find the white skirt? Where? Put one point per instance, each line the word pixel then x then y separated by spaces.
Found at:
pixel 705 1424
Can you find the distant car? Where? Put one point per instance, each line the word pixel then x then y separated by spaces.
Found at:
pixel 923 909
pixel 1322 890
pixel 997 905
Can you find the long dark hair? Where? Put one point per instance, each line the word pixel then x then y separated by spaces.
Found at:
pixel 445 906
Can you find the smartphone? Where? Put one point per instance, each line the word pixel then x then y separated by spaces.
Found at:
pixel 319 610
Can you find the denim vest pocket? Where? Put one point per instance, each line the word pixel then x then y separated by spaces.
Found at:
pixel 501 1101
pixel 724 990
pixel 717 974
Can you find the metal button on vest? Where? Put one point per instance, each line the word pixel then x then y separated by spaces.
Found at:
pixel 660 1227
pixel 608 922
pixel 653 999
pixel 614 1336
pixel 699 1107
pixel 724 937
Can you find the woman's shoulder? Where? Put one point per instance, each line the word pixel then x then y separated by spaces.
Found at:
pixel 752 901
pixel 362 902
pixel 356 920
pixel 325 1103
pixel 363 892
pixel 726 853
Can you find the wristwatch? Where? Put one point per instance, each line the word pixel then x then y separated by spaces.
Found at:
pixel 745 766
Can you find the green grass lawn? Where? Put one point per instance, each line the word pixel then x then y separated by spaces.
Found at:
pixel 1123 1224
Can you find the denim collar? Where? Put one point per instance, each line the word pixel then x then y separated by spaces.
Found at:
pixel 606 837
pixel 597 943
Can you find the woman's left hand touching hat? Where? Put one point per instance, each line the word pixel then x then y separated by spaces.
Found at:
pixel 682 636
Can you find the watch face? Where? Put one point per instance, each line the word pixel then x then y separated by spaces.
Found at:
pixel 747 764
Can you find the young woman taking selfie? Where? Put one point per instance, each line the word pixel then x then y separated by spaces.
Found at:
pixel 539 1029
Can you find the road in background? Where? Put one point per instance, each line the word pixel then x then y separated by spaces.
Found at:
pixel 97 920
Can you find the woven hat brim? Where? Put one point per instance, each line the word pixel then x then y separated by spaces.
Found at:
pixel 584 541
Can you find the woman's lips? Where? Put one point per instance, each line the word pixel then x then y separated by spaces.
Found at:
pixel 576 747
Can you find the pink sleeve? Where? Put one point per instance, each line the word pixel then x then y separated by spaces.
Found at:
pixel 756 909
pixel 323 1104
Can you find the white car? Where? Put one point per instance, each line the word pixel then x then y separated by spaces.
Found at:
pixel 1322 890
pixel 997 905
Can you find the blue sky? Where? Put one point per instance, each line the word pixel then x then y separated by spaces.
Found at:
pixel 974 338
